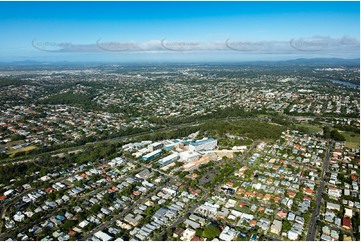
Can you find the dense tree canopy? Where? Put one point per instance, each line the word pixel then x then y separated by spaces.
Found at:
pixel 337 136
pixel 211 231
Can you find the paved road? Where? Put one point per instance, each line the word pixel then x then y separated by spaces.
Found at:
pixel 14 231
pixel 4 207
pixel 119 216
pixel 75 148
pixel 207 192
pixel 18 197
pixel 184 217
pixel 341 230
pixel 248 152
pixel 315 215
pixel 271 238
pixel 116 139
pixel 72 149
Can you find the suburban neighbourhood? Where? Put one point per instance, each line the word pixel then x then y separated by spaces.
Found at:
pixel 167 189
pixel 180 120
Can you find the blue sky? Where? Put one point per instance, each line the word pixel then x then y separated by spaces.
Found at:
pixel 178 31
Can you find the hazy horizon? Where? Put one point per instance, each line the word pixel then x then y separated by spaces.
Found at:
pixel 178 31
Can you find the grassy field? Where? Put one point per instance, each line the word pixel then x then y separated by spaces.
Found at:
pixel 12 143
pixel 12 152
pixel 352 139
pixel 314 128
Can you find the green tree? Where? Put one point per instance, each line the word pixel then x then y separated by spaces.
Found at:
pixel 199 232
pixel 69 224
pixel 286 225
pixel 95 208
pixel 3 155
pixel 337 136
pixel 211 231
pixel 248 173
pixel 326 132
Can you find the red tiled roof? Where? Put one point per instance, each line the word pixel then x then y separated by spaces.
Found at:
pixel 84 175
pixel 346 222
pixel 308 190
pixel 253 223
pixel 277 199
pixel 111 190
pixel 49 189
pixel 281 214
pixel 291 194
pixel 253 194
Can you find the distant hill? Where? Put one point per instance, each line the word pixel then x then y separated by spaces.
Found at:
pixel 300 61
pixel 33 62
pixel 326 61
pixel 307 62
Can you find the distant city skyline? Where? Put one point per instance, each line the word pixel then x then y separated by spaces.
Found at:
pixel 178 31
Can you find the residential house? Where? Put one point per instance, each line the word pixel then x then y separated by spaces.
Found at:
pixel 346 223
pixel 188 234
pixel 276 227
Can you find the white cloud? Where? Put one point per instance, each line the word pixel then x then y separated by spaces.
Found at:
pixel 317 45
